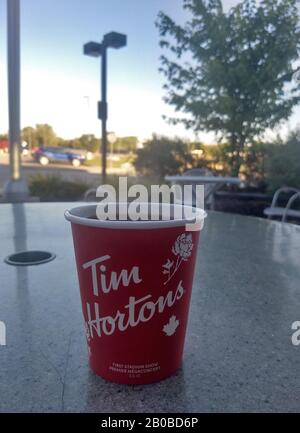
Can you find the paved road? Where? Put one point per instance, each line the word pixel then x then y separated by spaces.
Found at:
pixel 89 175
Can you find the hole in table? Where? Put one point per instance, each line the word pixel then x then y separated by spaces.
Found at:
pixel 28 258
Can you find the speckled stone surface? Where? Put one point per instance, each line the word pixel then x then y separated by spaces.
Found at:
pixel 238 354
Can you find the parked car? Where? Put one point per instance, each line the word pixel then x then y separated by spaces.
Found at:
pixel 45 155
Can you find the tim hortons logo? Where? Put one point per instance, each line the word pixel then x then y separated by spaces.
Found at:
pixel 137 310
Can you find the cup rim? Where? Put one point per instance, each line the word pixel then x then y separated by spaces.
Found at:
pixel 82 215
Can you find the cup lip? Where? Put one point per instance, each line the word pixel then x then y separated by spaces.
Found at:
pixel 86 210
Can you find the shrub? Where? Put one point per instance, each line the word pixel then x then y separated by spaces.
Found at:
pixel 162 156
pixel 253 169
pixel 283 167
pixel 55 188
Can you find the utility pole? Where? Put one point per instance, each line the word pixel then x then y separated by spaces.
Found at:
pixel 15 190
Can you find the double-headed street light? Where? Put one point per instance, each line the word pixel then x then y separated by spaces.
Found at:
pixel 95 49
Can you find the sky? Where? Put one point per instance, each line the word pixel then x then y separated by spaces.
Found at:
pixel 61 86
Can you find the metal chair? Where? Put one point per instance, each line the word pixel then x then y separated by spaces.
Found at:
pixel 291 212
pixel 90 195
pixel 283 212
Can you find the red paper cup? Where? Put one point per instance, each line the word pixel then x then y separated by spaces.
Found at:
pixel 135 282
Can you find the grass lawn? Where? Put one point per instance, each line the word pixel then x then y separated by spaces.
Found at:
pixel 96 161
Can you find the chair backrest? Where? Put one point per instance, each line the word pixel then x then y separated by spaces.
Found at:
pixel 284 189
pixel 90 195
pixel 287 210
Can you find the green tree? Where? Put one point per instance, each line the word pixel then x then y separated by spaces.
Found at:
pixel 125 144
pixel 73 143
pixel 89 142
pixel 282 164
pixel 45 136
pixel 61 142
pixel 29 135
pixel 255 159
pixel 229 71
pixel 161 156
pixel 217 158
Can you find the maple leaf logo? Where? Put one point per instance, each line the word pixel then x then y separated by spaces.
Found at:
pixel 170 328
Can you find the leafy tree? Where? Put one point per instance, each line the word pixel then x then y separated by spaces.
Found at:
pixel 216 158
pixel 282 165
pixel 61 142
pixel 229 71
pixel 29 135
pixel 89 142
pixel 73 143
pixel 125 144
pixel 255 159
pixel 45 136
pixel 161 156
pixel 86 142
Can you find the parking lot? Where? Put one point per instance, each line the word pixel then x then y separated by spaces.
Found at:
pixel 91 174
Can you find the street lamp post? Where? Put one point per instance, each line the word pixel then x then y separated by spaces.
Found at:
pixel 15 189
pixel 102 110
pixel 95 49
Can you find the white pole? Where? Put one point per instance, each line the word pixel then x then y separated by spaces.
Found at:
pixel 15 189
